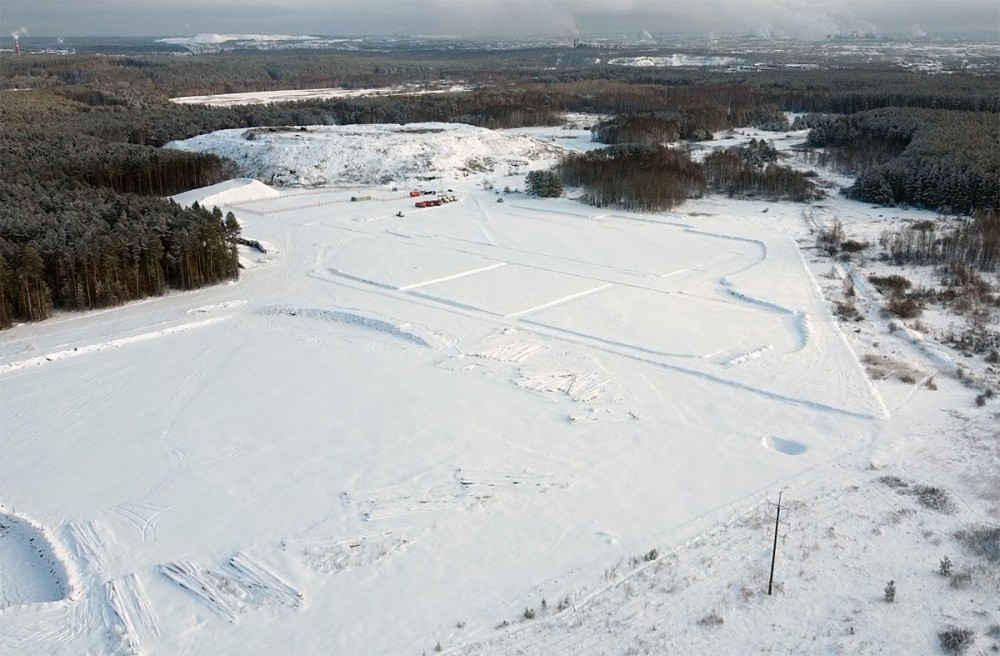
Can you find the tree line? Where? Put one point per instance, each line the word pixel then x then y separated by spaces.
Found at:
pixel 88 248
pixel 142 78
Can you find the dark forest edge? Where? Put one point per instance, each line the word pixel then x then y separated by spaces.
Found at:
pixel 83 221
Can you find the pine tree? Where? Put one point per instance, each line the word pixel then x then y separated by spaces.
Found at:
pixel 545 184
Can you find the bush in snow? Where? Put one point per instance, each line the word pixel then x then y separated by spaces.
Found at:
pixel 935 498
pixel 890 591
pixel 956 639
pixel 712 619
pixel 961 580
pixel 984 541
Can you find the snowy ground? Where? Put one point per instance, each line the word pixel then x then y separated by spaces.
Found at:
pixel 398 433
pixel 268 97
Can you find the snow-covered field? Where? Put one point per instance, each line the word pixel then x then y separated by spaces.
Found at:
pixel 268 97
pixel 400 434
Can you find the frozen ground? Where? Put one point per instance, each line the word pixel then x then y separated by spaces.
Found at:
pixel 268 97
pixel 395 433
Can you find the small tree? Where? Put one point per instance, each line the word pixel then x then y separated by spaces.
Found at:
pixel 890 591
pixel 944 569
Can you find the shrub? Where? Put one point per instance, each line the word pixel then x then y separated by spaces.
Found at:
pixel 894 284
pixel 934 498
pixel 956 639
pixel 961 580
pixel 829 239
pixel 889 591
pixel 984 541
pixel 849 291
pixel 847 311
pixel 853 246
pixel 904 308
pixel 712 619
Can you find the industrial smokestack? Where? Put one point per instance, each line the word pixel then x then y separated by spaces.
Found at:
pixel 17 38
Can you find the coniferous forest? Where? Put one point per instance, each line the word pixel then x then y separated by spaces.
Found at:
pixel 84 222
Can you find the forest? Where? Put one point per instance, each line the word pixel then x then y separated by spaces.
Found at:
pixel 931 158
pixel 634 177
pixel 84 222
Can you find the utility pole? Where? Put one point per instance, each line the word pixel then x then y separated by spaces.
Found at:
pixel 774 548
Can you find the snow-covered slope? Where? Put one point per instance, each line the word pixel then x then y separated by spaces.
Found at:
pixel 371 154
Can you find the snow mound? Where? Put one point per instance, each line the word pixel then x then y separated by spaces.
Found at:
pixel 239 190
pixel 781 445
pixel 371 154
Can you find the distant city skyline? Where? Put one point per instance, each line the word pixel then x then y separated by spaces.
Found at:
pixel 806 19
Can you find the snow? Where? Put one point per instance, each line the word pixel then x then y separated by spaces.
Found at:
pixel 398 432
pixel 212 38
pixel 230 192
pixel 291 95
pixel 676 61
pixel 34 573
pixel 371 154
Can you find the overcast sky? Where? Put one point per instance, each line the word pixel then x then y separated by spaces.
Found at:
pixel 471 18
